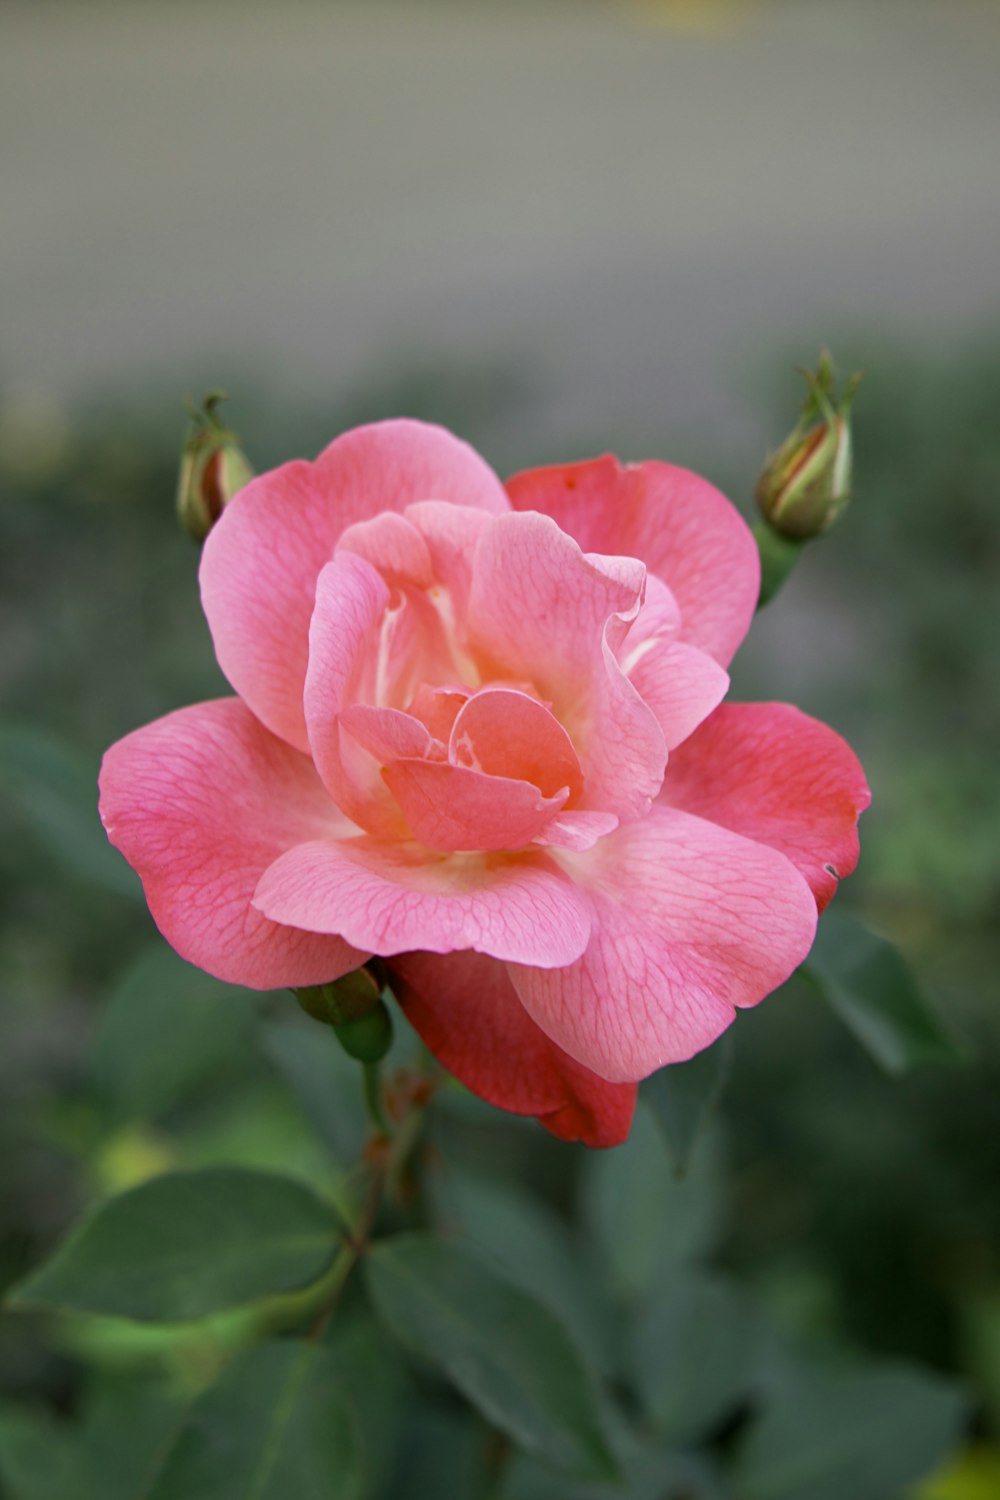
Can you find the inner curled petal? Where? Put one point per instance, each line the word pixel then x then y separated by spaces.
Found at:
pixel 488 647
pixel 507 733
pixel 393 545
pixel 452 808
pixel 389 734
pixel 437 708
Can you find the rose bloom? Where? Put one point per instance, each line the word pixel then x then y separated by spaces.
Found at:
pixel 478 731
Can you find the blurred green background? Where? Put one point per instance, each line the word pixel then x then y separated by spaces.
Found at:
pixel 556 228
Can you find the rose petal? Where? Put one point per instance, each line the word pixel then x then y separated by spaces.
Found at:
pixel 437 708
pixel 538 608
pixel 451 533
pixel 774 774
pixel 681 684
pixel 468 1014
pixel 403 897
pixel 658 619
pixel 200 803
pixel 261 561
pixel 573 829
pixel 621 745
pixel 506 733
pixel 680 526
pixel 393 546
pixel 691 921
pixel 452 808
pixel 389 734
pixel 344 664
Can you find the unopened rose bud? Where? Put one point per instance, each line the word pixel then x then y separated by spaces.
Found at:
pixel 805 485
pixel 213 469
pixel 354 1007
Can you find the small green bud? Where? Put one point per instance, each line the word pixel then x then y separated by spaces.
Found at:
pixel 367 1038
pixel 805 485
pixel 343 999
pixel 213 469
pixel 354 1007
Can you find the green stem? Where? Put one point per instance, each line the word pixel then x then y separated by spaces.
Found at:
pixel 348 1256
pixel 778 556
pixel 374 1100
pixel 385 1177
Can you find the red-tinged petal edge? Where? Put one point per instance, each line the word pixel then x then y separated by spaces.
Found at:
pixel 466 1011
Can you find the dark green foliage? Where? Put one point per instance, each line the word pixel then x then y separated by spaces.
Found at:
pixel 870 987
pixel 278 1424
pixel 500 1347
pixel 869 1435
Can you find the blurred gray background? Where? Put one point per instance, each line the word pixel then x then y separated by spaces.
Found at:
pixel 628 207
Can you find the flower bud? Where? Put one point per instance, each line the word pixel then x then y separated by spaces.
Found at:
pixel 354 1007
pixel 805 485
pixel 367 1038
pixel 213 469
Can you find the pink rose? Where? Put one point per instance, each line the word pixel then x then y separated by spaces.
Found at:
pixel 478 733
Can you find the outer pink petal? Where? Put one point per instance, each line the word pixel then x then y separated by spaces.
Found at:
pixel 453 808
pixel 770 772
pixel 390 465
pixel 402 897
pixel 681 527
pixel 681 684
pixel 692 921
pixel 200 803
pixel 261 561
pixel 467 1012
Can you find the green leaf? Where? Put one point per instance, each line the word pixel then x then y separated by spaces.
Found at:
pixel 866 1436
pixel 127 1423
pixel 56 792
pixel 189 1244
pixel 534 1249
pixel 444 1451
pixel 643 1219
pixel 41 1457
pixel 682 1097
pixel 277 1426
pixel 693 1354
pixel 651 1472
pixel 104 1453
pixel 870 987
pixel 166 1027
pixel 380 1379
pixel 507 1353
